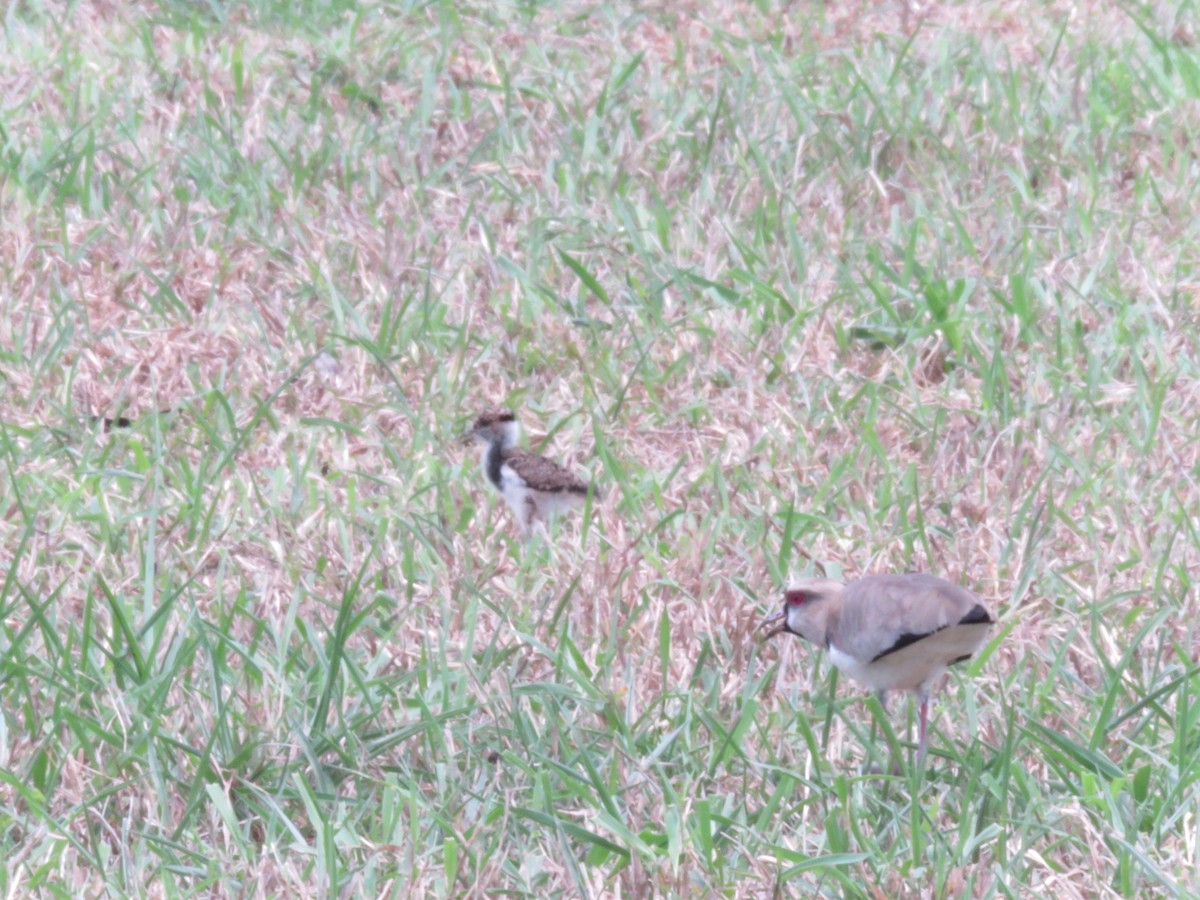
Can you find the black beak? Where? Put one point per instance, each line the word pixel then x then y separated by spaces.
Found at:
pixel 780 616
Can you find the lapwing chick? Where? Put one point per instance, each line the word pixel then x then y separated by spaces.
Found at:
pixel 888 632
pixel 532 485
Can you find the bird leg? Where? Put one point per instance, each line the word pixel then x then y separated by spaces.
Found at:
pixel 527 517
pixel 923 725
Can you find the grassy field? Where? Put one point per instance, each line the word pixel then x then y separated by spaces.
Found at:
pixel 807 287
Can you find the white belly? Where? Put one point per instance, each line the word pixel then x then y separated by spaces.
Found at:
pixel 532 505
pixel 916 666
pixel 896 672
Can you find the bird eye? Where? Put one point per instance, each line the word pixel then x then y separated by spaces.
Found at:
pixel 795 598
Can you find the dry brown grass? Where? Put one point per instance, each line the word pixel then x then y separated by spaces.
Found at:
pixel 238 255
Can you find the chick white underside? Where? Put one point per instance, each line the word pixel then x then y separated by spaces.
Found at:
pixel 530 504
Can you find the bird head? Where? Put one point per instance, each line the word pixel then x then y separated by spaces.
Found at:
pixel 806 608
pixel 491 425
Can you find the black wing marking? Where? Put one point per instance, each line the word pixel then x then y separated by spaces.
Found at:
pixel 976 616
